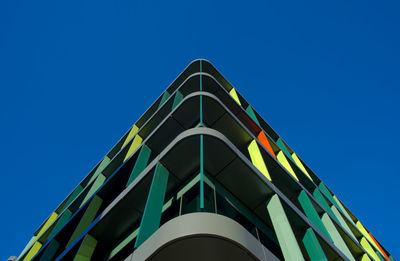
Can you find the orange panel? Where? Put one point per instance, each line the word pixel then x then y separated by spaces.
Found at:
pixel 380 248
pixel 264 141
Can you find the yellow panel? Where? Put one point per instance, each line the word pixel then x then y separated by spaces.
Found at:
pixel 133 131
pixel 257 159
pixel 282 159
pixel 365 257
pixel 135 144
pixel 27 246
pixel 235 96
pixel 33 251
pixel 301 166
pixel 49 221
pixel 364 243
pixel 365 233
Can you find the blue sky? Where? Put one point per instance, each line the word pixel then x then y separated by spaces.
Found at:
pixel 75 75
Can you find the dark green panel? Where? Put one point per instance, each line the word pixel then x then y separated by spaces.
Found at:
pixel 60 223
pixel 321 200
pixel 72 197
pixel 283 147
pixel 252 114
pixel 152 212
pixel 50 251
pixel 178 98
pixel 87 218
pixel 311 213
pixel 164 98
pixel 313 248
pixel 324 189
pixel 86 249
pixel 140 164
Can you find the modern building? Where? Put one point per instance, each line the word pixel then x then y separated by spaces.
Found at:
pixel 201 176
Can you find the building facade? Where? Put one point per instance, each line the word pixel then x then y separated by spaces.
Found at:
pixel 201 176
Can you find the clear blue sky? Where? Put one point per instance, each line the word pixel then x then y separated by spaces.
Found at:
pixel 75 75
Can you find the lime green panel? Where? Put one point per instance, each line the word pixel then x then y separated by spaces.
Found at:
pixel 284 233
pixel 364 243
pixel 342 222
pixel 60 222
pixel 313 248
pixel 96 185
pixel 86 249
pixel 164 98
pixel 50 251
pixel 300 165
pixel 140 164
pixel 365 234
pixel 235 96
pixel 282 159
pixel 344 211
pixel 71 198
pixel 337 239
pixel 178 98
pixel 257 159
pixel 321 200
pixel 30 243
pixel 252 114
pixel 32 252
pixel 49 221
pixel 311 213
pixel 132 132
pixel 102 165
pixel 283 147
pixel 365 257
pixel 87 218
pixel 152 213
pixel 135 144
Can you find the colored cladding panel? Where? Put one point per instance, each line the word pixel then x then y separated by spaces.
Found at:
pixel 96 185
pixel 86 249
pixel 135 144
pixel 30 243
pixel 337 239
pixel 102 165
pixel 235 96
pixel 49 221
pixel 311 213
pixel 282 159
pixel 313 248
pixel 252 114
pixel 50 251
pixel 326 191
pixel 283 147
pixel 264 141
pixel 300 165
pixel 32 252
pixel 124 242
pixel 164 98
pixel 60 222
pixel 321 200
pixel 74 194
pixel 364 243
pixel 178 98
pixel 380 256
pixel 379 247
pixel 257 159
pixel 284 233
pixel 365 257
pixel 342 222
pixel 366 234
pixel 140 164
pixel 344 211
pixel 392 258
pixel 152 213
pixel 132 132
pixel 87 218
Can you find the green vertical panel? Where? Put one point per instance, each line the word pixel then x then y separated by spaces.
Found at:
pixel 140 164
pixel 164 98
pixel 392 258
pixel 343 209
pixel 87 218
pixel 311 213
pixel 342 222
pixel 324 189
pixel 178 98
pixel 86 249
pixel 381 258
pixel 96 185
pixel 321 200
pixel 60 223
pixel 50 251
pixel 313 247
pixel 252 114
pixel 337 239
pixel 152 212
pixel 283 147
pixel 74 194
pixel 102 165
pixel 284 233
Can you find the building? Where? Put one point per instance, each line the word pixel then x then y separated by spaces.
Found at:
pixel 201 176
